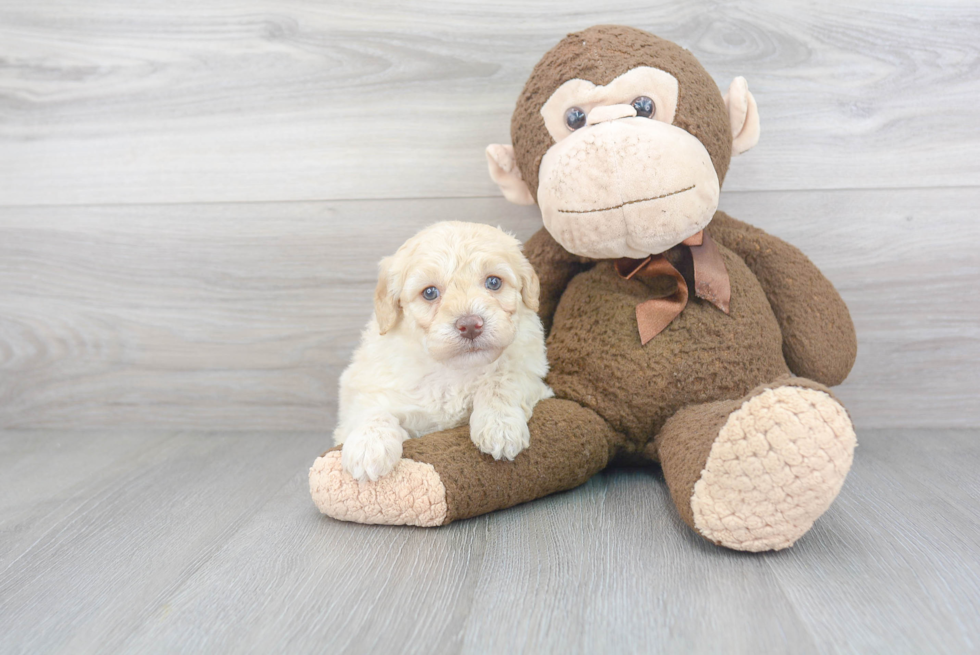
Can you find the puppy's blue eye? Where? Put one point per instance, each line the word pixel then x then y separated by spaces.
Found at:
pixel 493 282
pixel 430 293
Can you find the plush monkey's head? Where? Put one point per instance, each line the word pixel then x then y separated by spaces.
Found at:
pixel 623 140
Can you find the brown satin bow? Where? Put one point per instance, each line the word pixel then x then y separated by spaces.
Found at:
pixel 710 283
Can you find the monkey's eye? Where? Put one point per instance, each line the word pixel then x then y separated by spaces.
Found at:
pixel 574 118
pixel 644 107
pixel 430 293
pixel 493 283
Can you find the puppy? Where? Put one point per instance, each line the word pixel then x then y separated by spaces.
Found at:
pixel 454 338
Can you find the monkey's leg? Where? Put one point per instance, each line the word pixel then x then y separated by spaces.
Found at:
pixel 755 473
pixel 443 477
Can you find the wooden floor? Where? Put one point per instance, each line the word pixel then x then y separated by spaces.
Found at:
pixel 193 201
pixel 188 542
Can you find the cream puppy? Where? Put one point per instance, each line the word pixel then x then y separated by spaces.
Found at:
pixel 454 338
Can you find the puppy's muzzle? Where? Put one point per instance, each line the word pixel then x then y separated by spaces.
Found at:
pixel 470 326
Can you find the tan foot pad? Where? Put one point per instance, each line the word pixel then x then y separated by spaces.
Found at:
pixel 777 464
pixel 412 494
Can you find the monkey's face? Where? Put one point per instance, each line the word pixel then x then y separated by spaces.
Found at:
pixel 621 180
pixel 623 140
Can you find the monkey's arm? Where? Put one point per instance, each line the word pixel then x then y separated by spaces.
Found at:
pixel 555 267
pixel 818 336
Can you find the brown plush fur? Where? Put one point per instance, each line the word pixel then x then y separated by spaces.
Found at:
pixel 597 360
pixel 569 439
pixel 819 341
pixel 600 54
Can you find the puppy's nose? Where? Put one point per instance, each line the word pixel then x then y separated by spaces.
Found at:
pixel 470 326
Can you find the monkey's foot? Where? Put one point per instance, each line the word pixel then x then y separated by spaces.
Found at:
pixel 412 494
pixel 777 464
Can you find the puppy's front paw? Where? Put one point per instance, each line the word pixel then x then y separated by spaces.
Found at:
pixel 371 454
pixel 502 434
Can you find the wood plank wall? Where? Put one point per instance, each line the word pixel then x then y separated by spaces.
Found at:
pixel 193 200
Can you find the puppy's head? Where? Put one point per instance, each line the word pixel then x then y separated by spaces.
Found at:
pixel 462 288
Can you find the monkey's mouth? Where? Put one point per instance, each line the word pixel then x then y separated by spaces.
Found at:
pixel 623 204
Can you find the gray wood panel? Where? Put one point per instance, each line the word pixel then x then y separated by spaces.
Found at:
pixel 240 316
pixel 210 543
pixel 110 102
pixel 99 555
pixel 897 568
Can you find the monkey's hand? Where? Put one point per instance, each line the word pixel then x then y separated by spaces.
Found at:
pixel 818 335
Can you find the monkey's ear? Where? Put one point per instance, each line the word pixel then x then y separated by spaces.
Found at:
pixel 387 309
pixel 743 114
pixel 504 171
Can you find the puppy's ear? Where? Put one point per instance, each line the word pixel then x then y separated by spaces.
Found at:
pixel 530 285
pixel 387 309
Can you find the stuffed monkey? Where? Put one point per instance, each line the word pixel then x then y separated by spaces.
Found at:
pixel 677 335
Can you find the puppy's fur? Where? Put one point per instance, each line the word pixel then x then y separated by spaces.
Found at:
pixel 414 372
